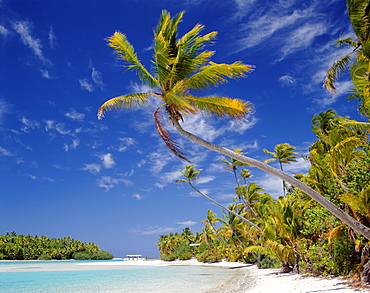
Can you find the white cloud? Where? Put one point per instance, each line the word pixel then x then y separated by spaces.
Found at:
pixel 108 182
pixel 86 85
pixel 272 185
pixel 97 77
pixel 108 161
pixel 52 38
pixel 45 73
pixel 242 126
pixel 4 31
pixel 152 230
pixel 29 124
pixel 92 168
pixel 5 152
pixel 4 109
pixel 137 196
pixel 24 28
pixel 187 223
pixel 302 38
pixel 73 145
pixel 73 114
pixel 262 27
pixel 286 80
pixel 206 179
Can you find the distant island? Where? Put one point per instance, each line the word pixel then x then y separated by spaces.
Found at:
pixel 28 247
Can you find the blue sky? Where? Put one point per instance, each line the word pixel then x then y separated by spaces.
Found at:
pixel 111 181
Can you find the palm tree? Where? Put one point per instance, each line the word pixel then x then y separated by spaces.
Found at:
pixel 233 164
pixel 358 59
pixel 181 65
pixel 284 154
pixel 191 175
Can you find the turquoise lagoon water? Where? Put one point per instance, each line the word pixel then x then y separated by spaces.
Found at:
pixel 68 276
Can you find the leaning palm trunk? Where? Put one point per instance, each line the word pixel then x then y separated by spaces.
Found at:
pixel 347 219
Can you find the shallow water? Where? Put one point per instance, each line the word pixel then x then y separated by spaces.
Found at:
pixel 67 276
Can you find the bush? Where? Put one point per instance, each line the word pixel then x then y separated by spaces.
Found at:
pixel 169 257
pixel 44 257
pixel 102 255
pixel 265 262
pixel 209 256
pixel 82 255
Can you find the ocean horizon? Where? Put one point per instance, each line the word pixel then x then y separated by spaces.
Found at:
pixel 82 276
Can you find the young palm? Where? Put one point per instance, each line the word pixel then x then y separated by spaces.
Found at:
pixel 180 66
pixel 284 154
pixel 191 175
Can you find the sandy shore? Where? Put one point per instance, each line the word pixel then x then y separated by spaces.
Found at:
pixel 247 278
pixel 250 279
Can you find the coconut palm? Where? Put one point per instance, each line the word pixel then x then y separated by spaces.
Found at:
pixel 284 154
pixel 180 66
pixel 358 59
pixel 191 175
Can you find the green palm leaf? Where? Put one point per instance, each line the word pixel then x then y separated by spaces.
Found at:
pixel 125 101
pixel 127 53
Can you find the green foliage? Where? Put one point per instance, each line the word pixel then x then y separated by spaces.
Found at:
pixel 169 257
pixel 44 257
pixel 20 247
pixel 323 258
pixel 265 262
pixel 210 256
pixel 89 255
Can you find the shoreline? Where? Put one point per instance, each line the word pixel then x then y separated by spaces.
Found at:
pixel 247 279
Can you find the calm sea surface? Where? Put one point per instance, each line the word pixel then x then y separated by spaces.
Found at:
pixel 73 276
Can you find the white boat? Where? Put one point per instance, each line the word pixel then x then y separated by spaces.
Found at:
pixel 134 257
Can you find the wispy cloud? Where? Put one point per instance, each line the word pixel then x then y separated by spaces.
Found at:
pixel 138 196
pixel 86 85
pixel 29 124
pixel 5 108
pixel 53 43
pixel 92 168
pixel 45 73
pixel 24 29
pixel 108 182
pixel 5 152
pixel 302 38
pixel 286 80
pixel 75 143
pixel 73 114
pixel 4 31
pixel 97 77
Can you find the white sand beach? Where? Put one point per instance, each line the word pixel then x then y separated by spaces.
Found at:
pixel 254 280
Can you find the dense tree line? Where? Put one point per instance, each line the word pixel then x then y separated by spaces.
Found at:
pixel 295 232
pixel 27 247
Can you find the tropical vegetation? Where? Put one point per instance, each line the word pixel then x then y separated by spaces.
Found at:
pixel 295 233
pixel 320 223
pixel 181 66
pixel 28 247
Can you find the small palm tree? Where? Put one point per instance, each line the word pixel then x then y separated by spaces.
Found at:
pixel 284 154
pixel 191 175
pixel 181 66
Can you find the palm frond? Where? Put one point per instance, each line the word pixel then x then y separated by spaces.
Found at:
pixel 221 106
pixel 125 101
pixel 215 74
pixel 127 53
pixel 166 136
pixel 335 70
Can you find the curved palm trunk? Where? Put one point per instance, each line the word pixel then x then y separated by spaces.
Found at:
pixel 347 219
pixel 225 208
